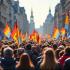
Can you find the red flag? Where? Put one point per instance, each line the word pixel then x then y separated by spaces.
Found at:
pixel 15 32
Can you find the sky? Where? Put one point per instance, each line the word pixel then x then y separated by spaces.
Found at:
pixel 40 9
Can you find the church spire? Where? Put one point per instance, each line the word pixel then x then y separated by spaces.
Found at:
pixel 49 10
pixel 32 24
pixel 31 12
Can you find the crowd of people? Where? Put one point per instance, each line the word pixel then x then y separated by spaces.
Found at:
pixel 48 55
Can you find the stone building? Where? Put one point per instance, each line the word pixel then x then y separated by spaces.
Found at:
pixel 32 23
pixel 48 24
pixel 66 10
pixel 58 15
pixel 10 11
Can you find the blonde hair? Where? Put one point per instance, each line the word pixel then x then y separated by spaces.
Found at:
pixel 49 60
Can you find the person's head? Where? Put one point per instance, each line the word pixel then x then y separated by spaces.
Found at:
pixel 28 46
pixel 67 50
pixel 25 60
pixel 8 52
pixel 49 60
pixel 49 54
pixel 20 51
pixel 54 46
pixel 61 47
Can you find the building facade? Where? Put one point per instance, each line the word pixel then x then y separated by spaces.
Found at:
pixel 32 23
pixel 66 10
pixel 10 11
pixel 48 24
pixel 58 16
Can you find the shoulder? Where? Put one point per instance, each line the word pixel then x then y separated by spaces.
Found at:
pixel 2 59
pixel 68 59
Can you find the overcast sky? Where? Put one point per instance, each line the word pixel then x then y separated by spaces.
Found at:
pixel 40 9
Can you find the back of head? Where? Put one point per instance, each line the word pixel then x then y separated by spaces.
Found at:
pixel 28 46
pixel 67 50
pixel 50 55
pixel 8 52
pixel 61 47
pixel 24 59
pixel 49 60
pixel 25 63
pixel 54 46
pixel 20 51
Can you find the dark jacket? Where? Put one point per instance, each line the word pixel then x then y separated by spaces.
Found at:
pixel 8 63
pixel 66 64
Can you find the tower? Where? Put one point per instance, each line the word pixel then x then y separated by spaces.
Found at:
pixel 32 24
pixel 48 24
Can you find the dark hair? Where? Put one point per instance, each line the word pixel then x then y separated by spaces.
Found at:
pixel 54 46
pixel 8 52
pixel 25 62
pixel 67 50
pixel 28 46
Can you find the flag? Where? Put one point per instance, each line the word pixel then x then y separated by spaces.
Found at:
pixel 15 32
pixel 66 22
pixel 30 37
pixel 35 37
pixel 7 31
pixel 22 36
pixel 38 39
pixel 63 31
pixel 56 33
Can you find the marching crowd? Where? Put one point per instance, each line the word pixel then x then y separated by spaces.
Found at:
pixel 48 55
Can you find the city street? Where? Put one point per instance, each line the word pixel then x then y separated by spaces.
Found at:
pixel 34 34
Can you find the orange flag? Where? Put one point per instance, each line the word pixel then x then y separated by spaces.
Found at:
pixel 22 36
pixel 15 32
pixel 67 19
pixel 63 31
pixel 66 22
pixel 56 33
pixel 35 37
pixel 7 30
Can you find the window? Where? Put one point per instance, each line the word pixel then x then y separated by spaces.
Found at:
pixel 1 1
